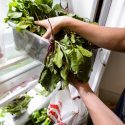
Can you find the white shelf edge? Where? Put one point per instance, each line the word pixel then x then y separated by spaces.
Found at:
pixel 18 71
pixel 15 94
pixel 12 61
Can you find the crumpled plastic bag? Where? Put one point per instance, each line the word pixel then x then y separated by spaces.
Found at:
pixel 67 108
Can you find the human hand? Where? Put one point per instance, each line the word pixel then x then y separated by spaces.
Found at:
pixel 82 87
pixel 55 24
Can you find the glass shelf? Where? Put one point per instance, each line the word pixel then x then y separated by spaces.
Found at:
pixel 19 73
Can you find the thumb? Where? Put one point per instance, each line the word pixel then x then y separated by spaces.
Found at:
pixel 42 23
pixel 39 22
pixel 47 35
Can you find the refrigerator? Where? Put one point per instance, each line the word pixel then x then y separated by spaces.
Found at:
pixel 19 73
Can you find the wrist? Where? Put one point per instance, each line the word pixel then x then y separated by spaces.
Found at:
pixel 66 21
pixel 83 88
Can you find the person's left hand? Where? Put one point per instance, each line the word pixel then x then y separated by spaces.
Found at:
pixel 55 24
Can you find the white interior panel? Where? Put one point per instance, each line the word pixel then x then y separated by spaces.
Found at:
pixel 3 11
pixel 116 16
pixel 84 8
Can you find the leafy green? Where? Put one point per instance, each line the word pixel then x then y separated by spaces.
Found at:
pixel 75 59
pixel 39 118
pixel 84 52
pixel 64 72
pixel 24 12
pixel 41 91
pixel 59 10
pixel 69 56
pixel 47 2
pixel 2 113
pixel 18 105
pixel 58 57
pixel 1 122
pixel 48 79
pixel 15 14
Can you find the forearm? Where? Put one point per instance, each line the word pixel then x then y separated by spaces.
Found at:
pixel 100 113
pixel 109 38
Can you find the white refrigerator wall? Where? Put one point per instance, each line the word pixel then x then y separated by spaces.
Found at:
pixel 84 8
pixel 113 80
pixel 3 11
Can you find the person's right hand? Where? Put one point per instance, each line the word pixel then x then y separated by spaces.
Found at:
pixel 57 23
pixel 82 88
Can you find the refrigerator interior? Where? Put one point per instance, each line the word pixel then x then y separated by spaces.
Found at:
pixel 18 66
pixel 20 72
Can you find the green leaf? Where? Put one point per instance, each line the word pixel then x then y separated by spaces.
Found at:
pixel 15 14
pixel 2 113
pixel 73 38
pixel 66 41
pixel 20 27
pixel 58 57
pixel 39 118
pixel 45 78
pixel 46 7
pixel 18 105
pixel 75 59
pixel 13 4
pixel 47 2
pixel 84 52
pixel 48 122
pixel 48 79
pixel 64 72
pixel 49 62
pixel 25 23
pixel 6 20
pixel 36 114
pixel 55 78
pixel 84 69
pixel 59 10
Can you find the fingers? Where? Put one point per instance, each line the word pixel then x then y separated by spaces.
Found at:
pixel 40 23
pixel 47 35
pixel 44 23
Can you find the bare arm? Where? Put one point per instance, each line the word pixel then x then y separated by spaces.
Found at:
pixel 99 112
pixel 110 38
pixel 105 37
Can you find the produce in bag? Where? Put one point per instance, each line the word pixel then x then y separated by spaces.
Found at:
pixel 18 105
pixel 39 118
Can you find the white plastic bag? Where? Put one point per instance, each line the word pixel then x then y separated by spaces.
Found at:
pixel 67 108
pixel 34 45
